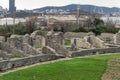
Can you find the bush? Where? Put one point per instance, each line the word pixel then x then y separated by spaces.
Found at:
pixel 98 30
pixel 81 29
pixel 19 29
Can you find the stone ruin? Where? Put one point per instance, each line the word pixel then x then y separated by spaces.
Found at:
pixel 90 41
pixel 117 38
pixel 17 46
pixel 39 43
pixel 54 43
pixel 111 40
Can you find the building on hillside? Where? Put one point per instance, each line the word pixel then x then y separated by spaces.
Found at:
pixel 12 7
pixel 1 12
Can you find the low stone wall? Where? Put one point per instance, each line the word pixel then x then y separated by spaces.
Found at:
pixel 11 50
pixel 11 64
pixel 95 51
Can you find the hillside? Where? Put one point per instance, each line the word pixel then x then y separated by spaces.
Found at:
pixel 88 8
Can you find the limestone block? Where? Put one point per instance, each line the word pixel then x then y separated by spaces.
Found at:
pixel 27 39
pixel 29 50
pixel 96 42
pixel 117 38
pixel 48 50
pixel 33 35
pixel 15 41
pixel 81 43
pixel 2 39
pixel 37 41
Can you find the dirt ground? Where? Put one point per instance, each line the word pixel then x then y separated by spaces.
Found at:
pixel 113 70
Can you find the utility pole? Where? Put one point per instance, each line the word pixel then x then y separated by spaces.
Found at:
pixel 78 15
pixel 13 16
pixel 6 17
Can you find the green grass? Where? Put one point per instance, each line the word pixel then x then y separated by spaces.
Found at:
pixel 67 42
pixel 16 56
pixel 89 68
pixel 38 46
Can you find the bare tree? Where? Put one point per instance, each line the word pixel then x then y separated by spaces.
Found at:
pixel 110 22
pixel 31 24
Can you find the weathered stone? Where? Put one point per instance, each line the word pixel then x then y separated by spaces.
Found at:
pixel 15 41
pixel 11 64
pixel 27 39
pixel 117 38
pixel 107 37
pixel 58 37
pixel 37 41
pixel 81 43
pixel 2 39
pixel 33 35
pixel 29 50
pixel 71 35
pixel 4 55
pixel 11 50
pixel 96 42
pixel 1 58
pixel 48 50
pixel 55 41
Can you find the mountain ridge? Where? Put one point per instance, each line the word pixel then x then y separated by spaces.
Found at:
pixel 86 7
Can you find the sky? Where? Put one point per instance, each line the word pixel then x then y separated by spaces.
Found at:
pixel 32 4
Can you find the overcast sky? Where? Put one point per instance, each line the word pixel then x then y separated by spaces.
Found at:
pixel 31 4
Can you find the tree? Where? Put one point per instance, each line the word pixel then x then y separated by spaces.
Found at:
pixel 31 24
pixel 111 23
pixel 98 22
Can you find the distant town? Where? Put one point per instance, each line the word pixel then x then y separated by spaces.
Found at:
pixel 69 13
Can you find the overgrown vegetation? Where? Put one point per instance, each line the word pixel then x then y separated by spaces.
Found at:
pixel 96 26
pixel 67 42
pixel 16 56
pixel 38 46
pixel 89 68
pixel 13 29
pixel 98 30
pixel 20 29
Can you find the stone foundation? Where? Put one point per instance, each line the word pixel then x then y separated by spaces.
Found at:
pixel 6 65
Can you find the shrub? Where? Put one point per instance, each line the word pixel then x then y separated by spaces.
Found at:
pixel 19 29
pixel 98 30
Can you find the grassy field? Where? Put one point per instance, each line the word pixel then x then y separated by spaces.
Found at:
pixel 89 68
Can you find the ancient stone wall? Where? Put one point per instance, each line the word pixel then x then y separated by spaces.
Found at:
pixel 10 64
pixel 26 44
pixel 107 37
pixel 11 50
pixel 56 42
pixel 117 38
pixel 95 42
pixel 2 39
pixel 6 65
pixel 70 35
pixel 80 43
pixel 95 51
